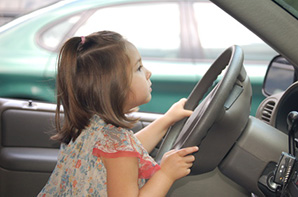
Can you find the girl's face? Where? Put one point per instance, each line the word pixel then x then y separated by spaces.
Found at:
pixel 140 87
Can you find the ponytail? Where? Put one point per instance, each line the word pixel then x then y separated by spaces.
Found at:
pixel 75 117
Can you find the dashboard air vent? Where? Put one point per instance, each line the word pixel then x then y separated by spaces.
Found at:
pixel 267 111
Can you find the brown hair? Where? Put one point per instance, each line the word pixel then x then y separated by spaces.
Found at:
pixel 93 78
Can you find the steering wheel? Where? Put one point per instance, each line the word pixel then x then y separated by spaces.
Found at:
pixel 220 117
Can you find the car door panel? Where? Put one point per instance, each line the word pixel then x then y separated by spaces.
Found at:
pixel 27 154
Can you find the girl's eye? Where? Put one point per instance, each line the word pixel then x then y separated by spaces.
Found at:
pixel 140 67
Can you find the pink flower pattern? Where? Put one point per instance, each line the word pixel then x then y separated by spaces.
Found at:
pixel 80 170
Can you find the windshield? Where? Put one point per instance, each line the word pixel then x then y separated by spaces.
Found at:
pixel 289 5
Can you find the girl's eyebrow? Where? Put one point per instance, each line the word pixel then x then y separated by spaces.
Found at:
pixel 139 60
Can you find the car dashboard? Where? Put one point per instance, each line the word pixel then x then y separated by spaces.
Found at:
pixel 275 108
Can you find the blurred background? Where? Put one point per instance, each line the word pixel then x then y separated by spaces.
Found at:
pixel 10 9
pixel 177 47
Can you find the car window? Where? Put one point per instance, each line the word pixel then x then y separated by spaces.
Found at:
pixel 290 6
pixel 155 34
pixel 217 31
pixel 52 37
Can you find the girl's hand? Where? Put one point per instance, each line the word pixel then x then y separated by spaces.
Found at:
pixel 177 111
pixel 176 164
pixel 153 133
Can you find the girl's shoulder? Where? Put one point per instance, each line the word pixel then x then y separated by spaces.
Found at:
pixel 119 142
pixel 110 135
pixel 116 140
pixel 108 130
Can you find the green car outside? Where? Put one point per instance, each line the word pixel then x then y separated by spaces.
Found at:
pixel 29 47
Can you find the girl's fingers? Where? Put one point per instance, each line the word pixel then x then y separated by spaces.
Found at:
pixel 187 171
pixel 183 101
pixel 189 165
pixel 171 152
pixel 186 151
pixel 189 159
pixel 188 112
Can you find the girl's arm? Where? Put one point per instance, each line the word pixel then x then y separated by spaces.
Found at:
pixel 122 174
pixel 153 133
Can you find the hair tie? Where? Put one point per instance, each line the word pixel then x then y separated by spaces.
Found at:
pixel 83 39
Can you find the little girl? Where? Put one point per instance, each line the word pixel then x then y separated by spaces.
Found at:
pixel 100 79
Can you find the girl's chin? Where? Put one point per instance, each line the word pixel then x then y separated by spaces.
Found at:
pixel 132 108
pixel 148 99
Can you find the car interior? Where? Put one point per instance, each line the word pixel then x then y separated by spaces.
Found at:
pixel 229 153
pixel 240 154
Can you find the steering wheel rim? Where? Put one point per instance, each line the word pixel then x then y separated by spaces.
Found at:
pixel 193 130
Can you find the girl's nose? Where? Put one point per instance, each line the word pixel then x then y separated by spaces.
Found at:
pixel 148 73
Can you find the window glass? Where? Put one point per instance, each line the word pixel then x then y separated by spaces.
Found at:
pixel 155 34
pixel 217 31
pixel 290 5
pixel 52 37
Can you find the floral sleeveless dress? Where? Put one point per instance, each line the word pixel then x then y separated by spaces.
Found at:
pixel 80 170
